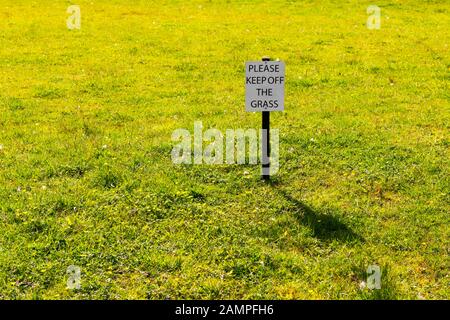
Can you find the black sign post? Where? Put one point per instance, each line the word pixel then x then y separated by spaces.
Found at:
pixel 265 158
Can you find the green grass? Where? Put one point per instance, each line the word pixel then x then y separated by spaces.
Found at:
pixel 86 176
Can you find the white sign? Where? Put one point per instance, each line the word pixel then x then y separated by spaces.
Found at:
pixel 264 86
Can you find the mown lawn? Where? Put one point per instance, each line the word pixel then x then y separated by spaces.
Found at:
pixel 86 176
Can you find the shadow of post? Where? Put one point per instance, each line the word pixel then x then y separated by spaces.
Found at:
pixel 325 227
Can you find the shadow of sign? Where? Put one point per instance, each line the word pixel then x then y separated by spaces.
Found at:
pixel 324 227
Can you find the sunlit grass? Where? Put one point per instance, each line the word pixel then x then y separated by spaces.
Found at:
pixel 87 179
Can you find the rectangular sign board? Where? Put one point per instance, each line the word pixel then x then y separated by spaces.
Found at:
pixel 264 86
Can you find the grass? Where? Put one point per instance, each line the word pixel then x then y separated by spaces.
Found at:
pixel 87 179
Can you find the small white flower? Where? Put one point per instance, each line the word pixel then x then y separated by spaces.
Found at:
pixel 19 189
pixel 104 146
pixel 44 187
pixel 246 173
